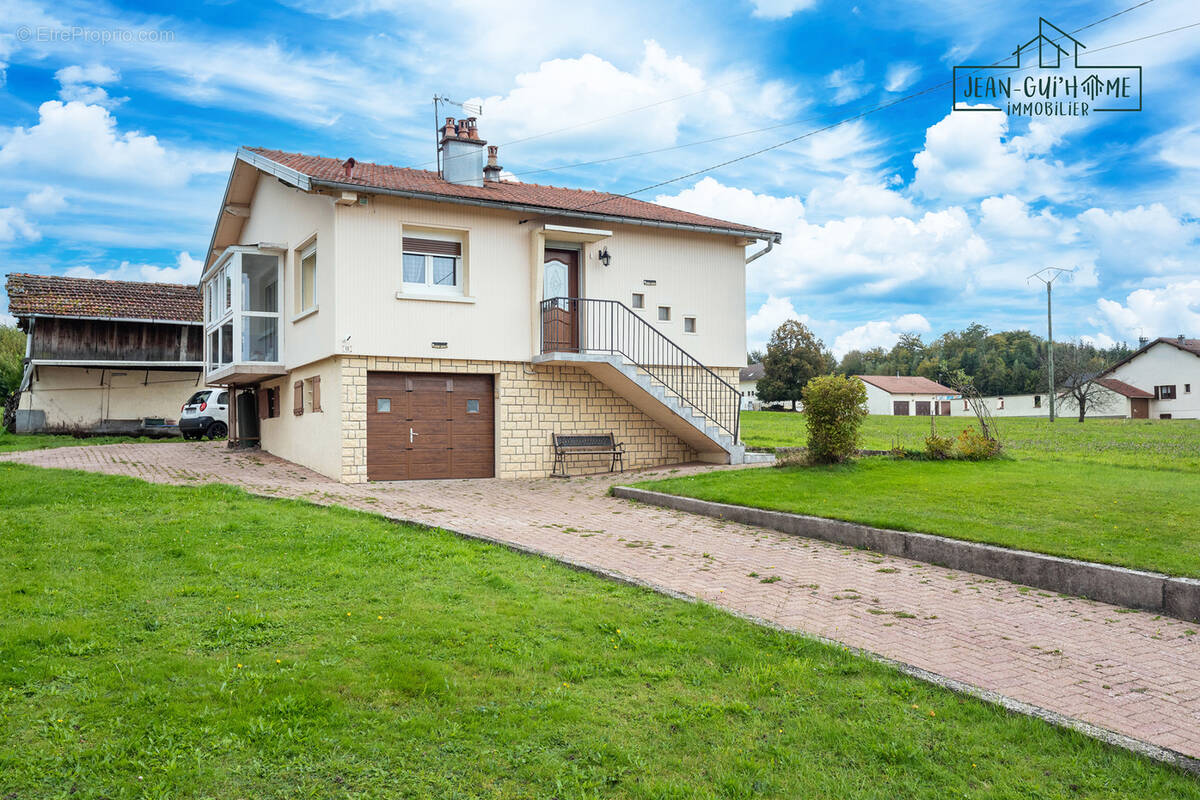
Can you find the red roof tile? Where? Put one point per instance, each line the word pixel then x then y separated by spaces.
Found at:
pixel 54 295
pixel 1120 387
pixel 551 198
pixel 906 384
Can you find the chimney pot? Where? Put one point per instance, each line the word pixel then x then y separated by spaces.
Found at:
pixel 449 130
pixel 491 172
pixel 348 167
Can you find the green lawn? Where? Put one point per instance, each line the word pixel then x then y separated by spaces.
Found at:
pixel 198 642
pixel 10 442
pixel 1116 491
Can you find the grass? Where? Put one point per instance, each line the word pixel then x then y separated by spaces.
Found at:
pixel 1115 491
pixel 10 442
pixel 198 642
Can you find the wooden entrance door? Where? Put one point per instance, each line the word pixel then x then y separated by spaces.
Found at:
pixel 945 412
pixel 429 425
pixel 560 319
pixel 1139 408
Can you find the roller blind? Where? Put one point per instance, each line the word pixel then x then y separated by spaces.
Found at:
pixel 434 247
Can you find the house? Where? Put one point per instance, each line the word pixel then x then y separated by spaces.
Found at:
pixel 390 323
pixel 748 378
pixel 1159 380
pixel 906 395
pixel 105 356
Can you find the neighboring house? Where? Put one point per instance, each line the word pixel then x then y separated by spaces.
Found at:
pixel 903 396
pixel 105 356
pixel 748 378
pixel 1160 380
pixel 392 323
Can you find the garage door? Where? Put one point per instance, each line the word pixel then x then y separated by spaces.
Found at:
pixel 429 425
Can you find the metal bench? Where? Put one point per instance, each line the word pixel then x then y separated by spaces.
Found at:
pixel 589 444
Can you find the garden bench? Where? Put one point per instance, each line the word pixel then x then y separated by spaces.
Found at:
pixel 585 444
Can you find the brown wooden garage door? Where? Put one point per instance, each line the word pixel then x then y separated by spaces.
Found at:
pixel 429 425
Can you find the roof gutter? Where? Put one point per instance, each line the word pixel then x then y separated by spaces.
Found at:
pixel 769 236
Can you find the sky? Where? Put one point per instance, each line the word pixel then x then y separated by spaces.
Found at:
pixel 119 123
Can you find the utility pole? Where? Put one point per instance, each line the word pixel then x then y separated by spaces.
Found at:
pixel 1048 276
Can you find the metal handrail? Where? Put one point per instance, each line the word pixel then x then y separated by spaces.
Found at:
pixel 592 325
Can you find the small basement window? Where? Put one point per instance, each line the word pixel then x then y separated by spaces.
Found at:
pixel 689 324
pixel 639 300
pixel 664 313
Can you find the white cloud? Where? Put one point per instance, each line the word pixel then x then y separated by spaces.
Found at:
pixel 769 316
pixel 851 197
pixel 847 83
pixel 1180 147
pixel 970 155
pixel 901 75
pixel 8 320
pixel 1165 311
pixel 80 140
pixel 186 270
pixel 879 333
pixel 46 200
pixel 1141 240
pixel 780 9
pixel 712 198
pixel 14 225
pixel 1100 339
pixel 85 85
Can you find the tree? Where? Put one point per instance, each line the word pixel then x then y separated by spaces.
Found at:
pixel 1076 367
pixel 794 357
pixel 755 357
pixel 12 360
pixel 834 408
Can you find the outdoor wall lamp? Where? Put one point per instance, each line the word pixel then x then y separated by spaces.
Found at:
pixel 604 257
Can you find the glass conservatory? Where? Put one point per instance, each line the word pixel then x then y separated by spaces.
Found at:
pixel 242 294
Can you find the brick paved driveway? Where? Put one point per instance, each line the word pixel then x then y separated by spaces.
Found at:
pixel 1130 672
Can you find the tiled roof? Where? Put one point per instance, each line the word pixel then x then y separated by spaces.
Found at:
pixel 906 384
pixel 551 198
pixel 1123 388
pixel 54 295
pixel 1191 345
pixel 750 373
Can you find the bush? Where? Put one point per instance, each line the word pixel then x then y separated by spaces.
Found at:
pixel 939 448
pixel 834 406
pixel 974 446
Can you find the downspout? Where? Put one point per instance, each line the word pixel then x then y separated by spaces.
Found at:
pixel 764 251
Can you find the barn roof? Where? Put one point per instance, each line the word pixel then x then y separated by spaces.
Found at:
pixel 59 296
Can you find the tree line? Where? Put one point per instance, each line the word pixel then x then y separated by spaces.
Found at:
pixel 1001 363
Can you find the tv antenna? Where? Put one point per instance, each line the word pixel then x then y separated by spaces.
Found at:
pixel 438 101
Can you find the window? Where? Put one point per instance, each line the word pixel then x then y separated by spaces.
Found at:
pixel 268 402
pixel 383 405
pixel 432 265
pixel 639 300
pixel 1164 392
pixel 664 313
pixel 999 403
pixel 689 324
pixel 1187 388
pixel 472 406
pixel 308 278
pixel 1037 401
pixel 223 399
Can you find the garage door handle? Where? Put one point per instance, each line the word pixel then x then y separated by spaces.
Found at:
pixel 411 435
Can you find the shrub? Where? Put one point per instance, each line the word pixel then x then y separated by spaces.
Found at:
pixel 834 406
pixel 939 447
pixel 974 446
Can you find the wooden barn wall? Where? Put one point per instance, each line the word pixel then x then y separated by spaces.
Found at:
pixel 116 341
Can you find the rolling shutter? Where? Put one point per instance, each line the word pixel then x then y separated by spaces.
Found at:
pixel 316 382
pixel 298 398
pixel 435 247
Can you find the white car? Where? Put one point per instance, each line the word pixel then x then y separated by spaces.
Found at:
pixel 206 413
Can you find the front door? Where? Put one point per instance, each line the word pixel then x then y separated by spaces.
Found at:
pixel 560 319
pixel 1139 408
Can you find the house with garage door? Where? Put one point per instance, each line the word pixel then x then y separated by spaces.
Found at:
pixel 907 395
pixel 385 323
pixel 105 356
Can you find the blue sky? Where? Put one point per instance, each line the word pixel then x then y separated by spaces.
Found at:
pixel 118 124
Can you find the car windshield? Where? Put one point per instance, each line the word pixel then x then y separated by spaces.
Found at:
pixel 198 397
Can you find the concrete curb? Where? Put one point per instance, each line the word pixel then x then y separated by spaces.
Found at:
pixel 1149 591
pixel 1110 737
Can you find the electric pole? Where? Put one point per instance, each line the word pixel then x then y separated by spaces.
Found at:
pixel 1048 276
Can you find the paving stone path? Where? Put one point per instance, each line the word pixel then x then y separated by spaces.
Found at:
pixel 1127 671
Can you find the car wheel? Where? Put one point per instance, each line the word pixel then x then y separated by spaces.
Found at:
pixel 218 430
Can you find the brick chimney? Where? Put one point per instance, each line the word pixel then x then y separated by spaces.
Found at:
pixel 491 173
pixel 462 152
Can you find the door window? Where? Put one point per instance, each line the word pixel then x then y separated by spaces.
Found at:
pixel 557 281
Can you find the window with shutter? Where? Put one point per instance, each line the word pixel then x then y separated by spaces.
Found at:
pixel 432 265
pixel 298 398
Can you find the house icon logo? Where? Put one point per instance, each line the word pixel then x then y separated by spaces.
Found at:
pixel 1045 79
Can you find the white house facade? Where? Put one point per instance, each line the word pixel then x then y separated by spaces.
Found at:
pixel 907 395
pixel 1167 373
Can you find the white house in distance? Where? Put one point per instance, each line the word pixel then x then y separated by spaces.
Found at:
pixel 907 395
pixel 1160 380
pixel 748 378
pixel 392 323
